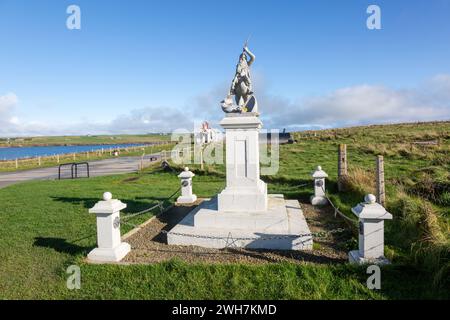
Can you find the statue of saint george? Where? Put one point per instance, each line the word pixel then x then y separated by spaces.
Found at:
pixel 241 87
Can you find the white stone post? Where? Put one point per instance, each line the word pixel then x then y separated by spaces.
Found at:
pixel 110 248
pixel 186 187
pixel 371 217
pixel 319 199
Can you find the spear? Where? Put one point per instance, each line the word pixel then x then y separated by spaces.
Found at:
pixel 246 42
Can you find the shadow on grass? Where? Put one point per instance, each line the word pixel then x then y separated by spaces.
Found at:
pixel 132 205
pixel 299 189
pixel 86 202
pixel 59 245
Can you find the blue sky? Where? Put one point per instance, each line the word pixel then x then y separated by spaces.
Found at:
pixel 140 66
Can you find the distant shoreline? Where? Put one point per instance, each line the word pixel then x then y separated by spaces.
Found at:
pixel 79 144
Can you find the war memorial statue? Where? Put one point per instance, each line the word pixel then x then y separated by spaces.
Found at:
pixel 243 214
pixel 241 87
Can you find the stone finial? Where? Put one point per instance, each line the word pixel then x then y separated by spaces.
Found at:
pixel 107 196
pixel 319 173
pixel 186 174
pixel 370 198
pixel 370 209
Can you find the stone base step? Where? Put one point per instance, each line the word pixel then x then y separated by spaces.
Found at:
pixel 290 231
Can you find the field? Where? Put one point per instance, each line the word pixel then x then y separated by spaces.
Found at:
pixel 81 140
pixel 46 226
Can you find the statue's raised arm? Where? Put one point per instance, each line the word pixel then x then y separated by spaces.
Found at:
pixel 251 55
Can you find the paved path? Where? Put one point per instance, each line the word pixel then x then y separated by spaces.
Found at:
pixel 97 168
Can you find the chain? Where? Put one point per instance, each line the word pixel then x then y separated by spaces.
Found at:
pixel 159 205
pixel 321 234
pixel 132 215
pixel 173 194
pixel 336 210
pixel 299 186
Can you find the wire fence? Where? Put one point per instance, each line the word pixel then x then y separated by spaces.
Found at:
pixel 79 155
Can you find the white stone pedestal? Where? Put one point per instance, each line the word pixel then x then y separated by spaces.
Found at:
pixel 245 191
pixel 319 199
pixel 110 248
pixel 243 215
pixel 281 227
pixel 186 187
pixel 371 217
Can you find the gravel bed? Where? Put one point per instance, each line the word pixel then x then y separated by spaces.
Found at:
pixel 149 243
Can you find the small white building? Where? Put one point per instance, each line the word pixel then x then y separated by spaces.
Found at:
pixel 206 134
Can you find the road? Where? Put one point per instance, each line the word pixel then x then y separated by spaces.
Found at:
pixel 97 168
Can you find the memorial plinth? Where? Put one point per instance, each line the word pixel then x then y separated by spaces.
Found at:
pixel 245 191
pixel 243 214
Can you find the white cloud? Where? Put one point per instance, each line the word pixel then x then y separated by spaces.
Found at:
pixel 356 105
pixel 7 102
pixel 150 119
pixel 364 104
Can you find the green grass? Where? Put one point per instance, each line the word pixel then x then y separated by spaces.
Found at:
pixel 42 237
pixel 45 227
pixel 177 280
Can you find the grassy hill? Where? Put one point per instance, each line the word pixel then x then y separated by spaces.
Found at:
pixel 46 226
pixel 417 170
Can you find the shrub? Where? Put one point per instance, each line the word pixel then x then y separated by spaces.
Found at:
pixel 360 181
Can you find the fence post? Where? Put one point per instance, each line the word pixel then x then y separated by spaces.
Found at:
pixel 381 194
pixel 201 158
pixel 17 163
pixel 57 158
pixel 342 165
pixel 74 156
pixel 39 161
